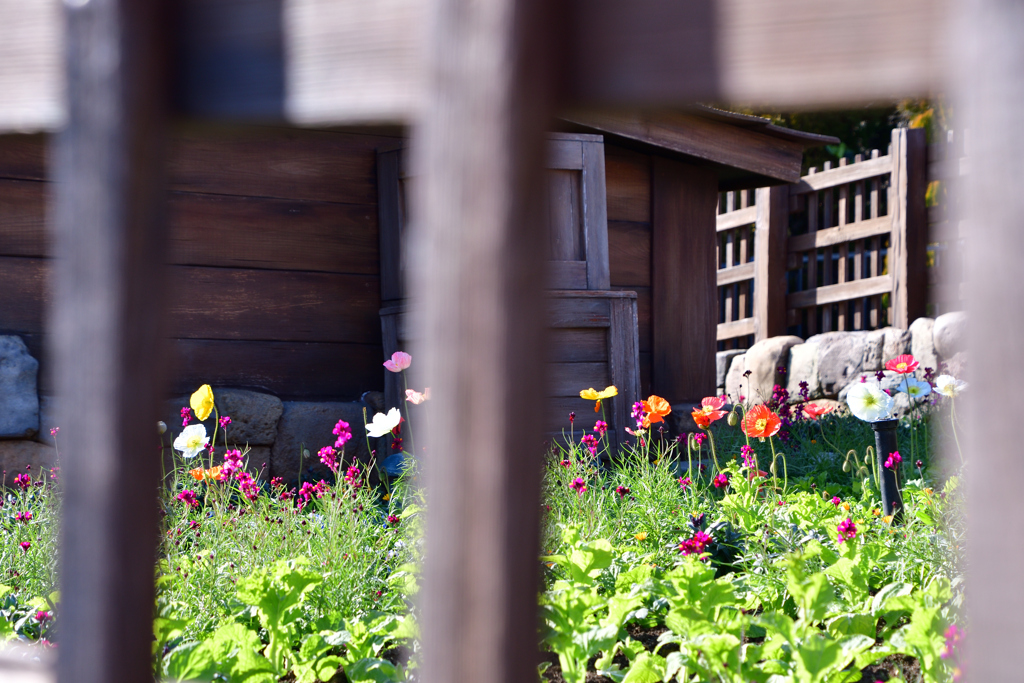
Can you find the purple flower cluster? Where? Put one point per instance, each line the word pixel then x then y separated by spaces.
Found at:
pixel 638 414
pixel 590 441
pixel 189 498
pixel 847 530
pixel 352 477
pixel 23 516
pixel 893 461
pixel 747 453
pixel 329 457
pixel 186 416
pixel 685 482
pixel 623 491
pixel 695 545
pixel 600 427
pixel 343 431
pixel 23 481
pixel 578 485
pixel 721 481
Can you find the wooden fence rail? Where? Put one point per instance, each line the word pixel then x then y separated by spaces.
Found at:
pixel 846 248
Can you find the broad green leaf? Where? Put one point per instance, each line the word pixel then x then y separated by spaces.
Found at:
pixel 646 668
pixel 190 661
pixel 849 624
pixel 371 670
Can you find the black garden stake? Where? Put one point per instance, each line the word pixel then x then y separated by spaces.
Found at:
pixel 888 479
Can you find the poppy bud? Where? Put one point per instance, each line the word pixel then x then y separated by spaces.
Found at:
pixel 161 427
pixel 772 468
pixel 846 466
pixel 733 419
pixel 305 453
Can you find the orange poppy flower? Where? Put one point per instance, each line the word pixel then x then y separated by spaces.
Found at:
pixel 760 421
pixel 213 473
pixel 709 411
pixel 655 409
pixel 814 411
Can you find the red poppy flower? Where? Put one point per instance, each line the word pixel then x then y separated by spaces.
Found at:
pixel 709 411
pixel 760 421
pixel 904 364
pixel 814 411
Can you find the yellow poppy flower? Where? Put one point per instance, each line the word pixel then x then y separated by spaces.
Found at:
pixel 642 536
pixel 876 512
pixel 846 506
pixel 387 496
pixel 887 519
pixel 593 394
pixel 202 402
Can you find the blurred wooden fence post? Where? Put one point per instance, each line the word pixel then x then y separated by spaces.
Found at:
pixel 908 243
pixel 477 273
pixel 770 261
pixel 105 320
pixel 989 61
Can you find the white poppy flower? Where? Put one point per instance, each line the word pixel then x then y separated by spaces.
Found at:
pixel 915 388
pixel 947 385
pixel 382 424
pixel 868 402
pixel 192 440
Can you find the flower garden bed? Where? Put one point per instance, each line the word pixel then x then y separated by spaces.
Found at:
pixel 724 555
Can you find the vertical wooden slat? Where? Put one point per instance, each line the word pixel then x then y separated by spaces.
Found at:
pixel 770 261
pixel 683 280
pixel 909 226
pixel 858 305
pixel 624 361
pixel 389 213
pixel 827 219
pixel 477 155
pixel 595 216
pixel 107 336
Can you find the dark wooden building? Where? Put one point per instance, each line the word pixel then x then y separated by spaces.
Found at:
pixel 276 247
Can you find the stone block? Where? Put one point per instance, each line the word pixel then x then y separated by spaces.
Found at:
pixel 923 343
pixel 949 334
pixel 735 382
pixel 842 356
pixel 18 457
pixel 308 426
pixel 763 360
pixel 723 359
pixel 19 400
pixel 803 367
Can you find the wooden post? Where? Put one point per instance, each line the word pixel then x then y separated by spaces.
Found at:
pixel 770 261
pixel 684 280
pixel 989 62
pixel 107 336
pixel 907 258
pixel 477 274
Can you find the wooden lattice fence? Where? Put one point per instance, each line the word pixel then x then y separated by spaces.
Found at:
pixel 846 248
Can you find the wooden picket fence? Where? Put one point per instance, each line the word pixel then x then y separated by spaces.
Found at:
pixel 847 248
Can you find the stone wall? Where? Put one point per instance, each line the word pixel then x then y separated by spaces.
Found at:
pixel 832 361
pixel 275 431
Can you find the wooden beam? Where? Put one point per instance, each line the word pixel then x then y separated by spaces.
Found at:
pixel 727 276
pixel 844 233
pixel 909 226
pixel 770 258
pixel 736 328
pixel 702 138
pixel 106 322
pixel 477 155
pixel 734 219
pixel 320 62
pixel 843 174
pixel 684 280
pixel 830 294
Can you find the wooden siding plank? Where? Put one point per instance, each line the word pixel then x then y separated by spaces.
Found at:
pixel 628 184
pixel 306 371
pixel 23 157
pixel 629 250
pixel 909 240
pixel 391 219
pixel 624 362
pixel 684 283
pixel 839 235
pixel 566 274
pixel 833 293
pixel 22 218
pixel 568 345
pixel 568 379
pixel 25 294
pixel 286 163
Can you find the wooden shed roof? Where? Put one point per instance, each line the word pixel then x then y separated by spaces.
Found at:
pixel 748 151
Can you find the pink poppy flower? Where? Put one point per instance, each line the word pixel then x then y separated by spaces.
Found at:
pixel 399 361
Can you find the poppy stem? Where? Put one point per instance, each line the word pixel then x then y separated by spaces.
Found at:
pixel 714 457
pixel 952 421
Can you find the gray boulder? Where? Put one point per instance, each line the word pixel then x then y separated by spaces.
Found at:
pixel 923 343
pixel 723 359
pixel 842 356
pixel 308 426
pixel 884 345
pixel 19 457
pixel 803 367
pixel 949 333
pixel 19 402
pixel 763 360
pixel 735 382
